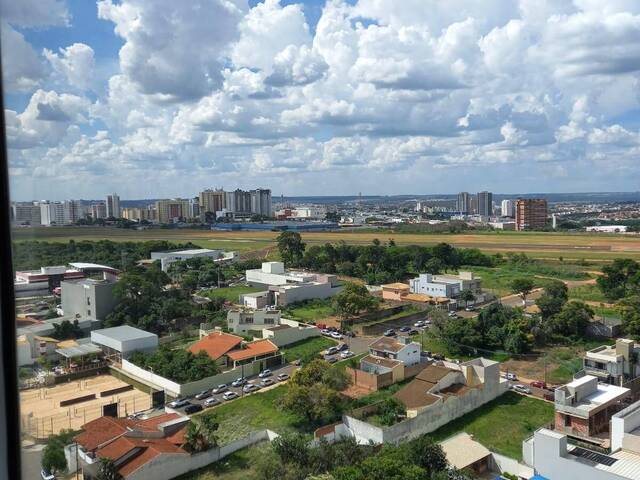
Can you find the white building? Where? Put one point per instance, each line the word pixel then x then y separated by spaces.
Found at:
pixel 122 341
pixel 167 258
pixel 608 229
pixel 615 364
pixel 449 286
pixel 508 208
pixel 113 205
pixel 242 321
pixel 273 273
pixel 400 349
pixel 51 213
pixel 553 457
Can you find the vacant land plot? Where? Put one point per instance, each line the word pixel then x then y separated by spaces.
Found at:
pixel 42 414
pixel 240 465
pixel 599 247
pixel 232 294
pixel 590 293
pixel 502 425
pixel 307 349
pixel 310 311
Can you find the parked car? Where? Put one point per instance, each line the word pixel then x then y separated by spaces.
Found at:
pixel 342 347
pixel 419 323
pixel 282 377
pixel 470 308
pixel 211 402
pixel 203 394
pixel 511 376
pixel 265 373
pixel 326 332
pixel 192 409
pixel 250 387
pixel 438 356
pixel 179 402
pixel 136 416
pixel 347 354
pixel 230 395
pixel 332 360
pixel 238 382
pixel 220 389
pixel 46 475
pixel 539 384
pixel 405 329
pixel 389 333
pixel 521 389
pixel 332 350
pixel 349 333
pixel 336 335
pixel 453 314
pixel 265 382
pixel 413 331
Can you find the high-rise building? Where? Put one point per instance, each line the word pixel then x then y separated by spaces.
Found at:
pixel 98 210
pixel 238 201
pixel 261 202
pixel 531 213
pixel 26 213
pixel 73 211
pixel 113 205
pixel 212 201
pixel 194 207
pixel 508 208
pixel 51 213
pixel 463 204
pixel 170 211
pixel 485 204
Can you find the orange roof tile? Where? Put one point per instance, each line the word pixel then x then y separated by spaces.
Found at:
pixel 396 286
pixel 216 344
pixel 101 430
pixel 153 422
pixel 253 349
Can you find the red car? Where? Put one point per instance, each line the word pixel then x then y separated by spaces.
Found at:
pixel 539 384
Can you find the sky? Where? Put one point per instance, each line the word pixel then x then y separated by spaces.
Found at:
pixel 162 98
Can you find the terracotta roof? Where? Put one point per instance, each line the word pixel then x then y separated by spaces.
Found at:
pixel 385 362
pixel 101 430
pixel 396 286
pixel 388 344
pixel 153 422
pixel 418 297
pixel 433 373
pixel 216 344
pixel 415 394
pixel 253 349
pixel 149 448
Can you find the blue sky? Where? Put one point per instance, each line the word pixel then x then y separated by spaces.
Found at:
pixel 163 98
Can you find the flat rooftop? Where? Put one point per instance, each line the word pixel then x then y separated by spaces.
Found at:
pixel 124 332
pixel 194 251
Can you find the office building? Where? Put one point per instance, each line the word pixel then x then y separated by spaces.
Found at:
pixel 171 211
pixel 194 207
pixel 25 213
pixel 113 206
pixel 211 201
pixel 167 258
pixel 88 298
pixel 463 204
pixel 51 213
pixel 238 202
pixel 485 204
pixel 98 210
pixel 449 286
pixel 73 210
pixel 508 208
pixel 531 213
pixel 261 202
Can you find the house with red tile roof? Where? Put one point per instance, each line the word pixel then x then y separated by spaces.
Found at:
pixel 232 351
pixel 131 444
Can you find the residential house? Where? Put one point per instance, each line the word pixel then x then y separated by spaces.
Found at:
pixel 585 406
pixel 243 320
pixel 449 286
pixel 232 351
pixel 554 455
pixel 614 364
pixel 401 292
pixel 399 348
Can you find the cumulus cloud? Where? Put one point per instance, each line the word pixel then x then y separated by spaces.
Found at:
pixel 74 63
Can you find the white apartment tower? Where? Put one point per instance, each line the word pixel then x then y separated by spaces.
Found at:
pixel 113 205
pixel 508 208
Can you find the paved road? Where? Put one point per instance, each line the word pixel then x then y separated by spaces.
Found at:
pixel 30 462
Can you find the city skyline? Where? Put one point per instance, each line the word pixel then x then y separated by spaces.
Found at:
pixel 316 97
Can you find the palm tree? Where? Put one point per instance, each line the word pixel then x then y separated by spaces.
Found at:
pixel 201 434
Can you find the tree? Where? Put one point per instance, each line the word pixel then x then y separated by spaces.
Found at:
pixel 428 454
pixel 629 309
pixel 572 320
pixel 107 470
pixel 468 296
pixel 201 434
pixel 314 402
pixel 293 448
pixel 620 279
pixel 523 287
pixel 353 299
pixel 291 247
pixel 53 459
pixel 553 299
pixel 336 378
pixel 389 411
pixel 66 330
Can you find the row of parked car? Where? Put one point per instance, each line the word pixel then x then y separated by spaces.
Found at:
pixel 342 349
pixel 208 395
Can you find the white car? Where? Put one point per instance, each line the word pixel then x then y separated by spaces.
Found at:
pixel 336 335
pixel 211 401
pixel 265 373
pixel 347 354
pixel 510 376
pixel 239 382
pixel 419 323
pixel 179 402
pixel 230 395
pixel 46 475
pixel 325 332
pixel 521 389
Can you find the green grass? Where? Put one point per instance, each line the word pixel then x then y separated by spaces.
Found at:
pixel 310 311
pixel 239 465
pixel 502 424
pixel 435 345
pixel 307 349
pixel 232 293
pixel 589 293
pixel 565 371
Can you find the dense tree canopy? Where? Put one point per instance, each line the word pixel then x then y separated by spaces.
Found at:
pixel 353 299
pixel 555 295
pixel 179 365
pixel 291 248
pixel 620 279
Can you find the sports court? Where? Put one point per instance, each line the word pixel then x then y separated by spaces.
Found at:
pixel 48 410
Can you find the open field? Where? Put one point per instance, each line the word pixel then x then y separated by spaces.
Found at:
pixel 307 349
pixel 502 424
pixel 309 311
pixel 597 247
pixel 231 294
pixel 42 415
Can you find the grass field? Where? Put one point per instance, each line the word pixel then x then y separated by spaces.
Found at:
pixel 307 349
pixel 587 292
pixel 502 425
pixel 310 311
pixel 597 247
pixel 231 294
pixel 239 465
